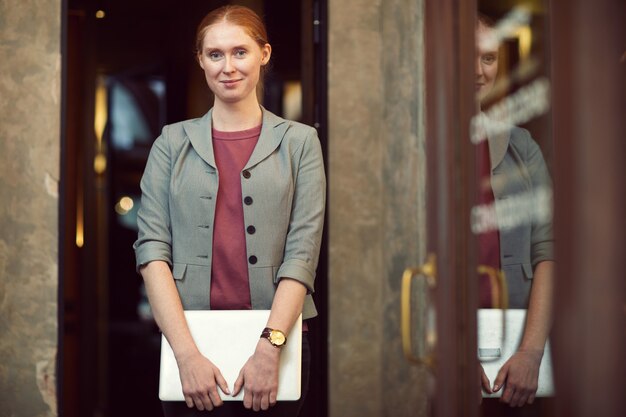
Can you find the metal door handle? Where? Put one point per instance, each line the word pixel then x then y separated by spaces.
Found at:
pixel 501 301
pixel 498 281
pixel 428 273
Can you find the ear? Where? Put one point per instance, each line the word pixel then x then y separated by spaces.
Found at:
pixel 199 58
pixel 266 53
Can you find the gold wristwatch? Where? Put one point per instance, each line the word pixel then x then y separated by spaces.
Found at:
pixel 276 337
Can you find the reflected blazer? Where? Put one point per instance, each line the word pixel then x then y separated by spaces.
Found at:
pixel 285 181
pixel 522 190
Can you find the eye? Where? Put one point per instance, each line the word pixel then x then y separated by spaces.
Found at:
pixel 240 53
pixel 488 59
pixel 214 55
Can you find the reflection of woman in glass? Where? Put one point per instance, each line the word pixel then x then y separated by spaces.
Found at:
pixel 231 218
pixel 514 167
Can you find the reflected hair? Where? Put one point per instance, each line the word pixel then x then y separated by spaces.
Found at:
pixel 485 20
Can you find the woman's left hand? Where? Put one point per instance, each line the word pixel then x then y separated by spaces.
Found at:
pixel 519 375
pixel 259 377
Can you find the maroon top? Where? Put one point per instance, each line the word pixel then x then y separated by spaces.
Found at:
pixel 230 287
pixel 488 242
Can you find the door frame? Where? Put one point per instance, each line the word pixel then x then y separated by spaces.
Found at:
pixel 590 202
pixel 449 35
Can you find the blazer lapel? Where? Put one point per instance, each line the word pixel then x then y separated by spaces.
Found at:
pixel 498 138
pixel 199 133
pixel 272 133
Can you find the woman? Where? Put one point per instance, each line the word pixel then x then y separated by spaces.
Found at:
pixel 231 218
pixel 514 167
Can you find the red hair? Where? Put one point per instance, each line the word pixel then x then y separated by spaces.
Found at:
pixel 486 21
pixel 241 16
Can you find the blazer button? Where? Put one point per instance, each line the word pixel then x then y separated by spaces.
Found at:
pixel 252 259
pixel 251 229
pixel 246 174
pixel 247 201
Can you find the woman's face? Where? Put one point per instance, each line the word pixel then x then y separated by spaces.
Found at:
pixel 486 60
pixel 232 62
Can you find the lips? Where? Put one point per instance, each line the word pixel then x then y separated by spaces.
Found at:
pixel 230 83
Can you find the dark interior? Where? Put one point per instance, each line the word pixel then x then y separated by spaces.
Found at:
pixel 140 55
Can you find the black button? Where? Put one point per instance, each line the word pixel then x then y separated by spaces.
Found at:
pixel 252 259
pixel 247 201
pixel 246 174
pixel 251 229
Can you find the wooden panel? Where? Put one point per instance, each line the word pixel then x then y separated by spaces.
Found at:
pixel 589 103
pixel 450 105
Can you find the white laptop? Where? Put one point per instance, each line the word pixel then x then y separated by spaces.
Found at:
pixel 228 338
pixel 493 351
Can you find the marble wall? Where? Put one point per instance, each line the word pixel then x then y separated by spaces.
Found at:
pixel 376 202
pixel 30 113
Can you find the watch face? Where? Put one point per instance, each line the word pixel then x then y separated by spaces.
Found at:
pixel 277 338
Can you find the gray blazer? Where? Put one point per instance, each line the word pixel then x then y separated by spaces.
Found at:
pixel 522 189
pixel 285 180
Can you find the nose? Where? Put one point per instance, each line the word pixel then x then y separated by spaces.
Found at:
pixel 228 68
pixel 479 67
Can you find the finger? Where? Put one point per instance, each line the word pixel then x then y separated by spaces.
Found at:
pixel 507 394
pixel 500 378
pixel 189 401
pixel 213 397
pixel 207 402
pixel 525 396
pixel 486 384
pixel 198 403
pixel 238 384
pixel 221 382
pixel 265 402
pixel 273 395
pixel 247 399
pixel 256 402
pixel 518 399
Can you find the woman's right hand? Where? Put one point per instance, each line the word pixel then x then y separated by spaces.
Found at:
pixel 200 378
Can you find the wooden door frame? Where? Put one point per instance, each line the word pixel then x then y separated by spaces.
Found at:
pixel 314 64
pixel 589 90
pixel 81 385
pixel 450 104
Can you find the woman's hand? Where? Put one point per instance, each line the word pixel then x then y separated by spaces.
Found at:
pixel 259 377
pixel 520 376
pixel 484 383
pixel 200 379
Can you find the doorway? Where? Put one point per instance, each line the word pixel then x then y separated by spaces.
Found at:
pixel 131 70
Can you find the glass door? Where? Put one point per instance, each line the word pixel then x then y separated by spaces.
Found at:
pixel 511 220
pixel 525 107
pixel 489 211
